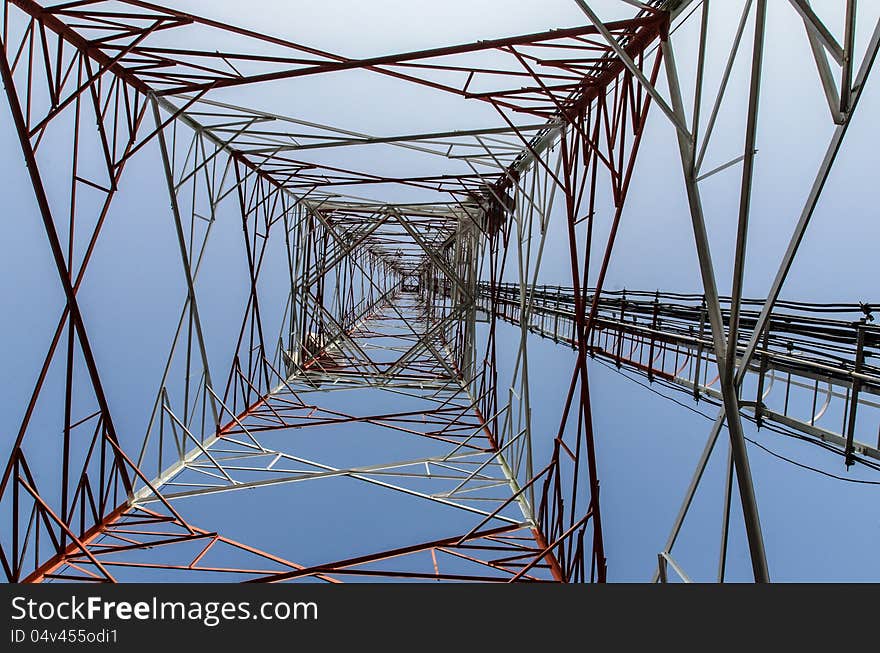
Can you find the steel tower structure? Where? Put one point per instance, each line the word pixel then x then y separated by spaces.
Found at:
pixel 381 316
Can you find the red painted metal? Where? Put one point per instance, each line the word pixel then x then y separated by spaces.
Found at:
pixel 579 85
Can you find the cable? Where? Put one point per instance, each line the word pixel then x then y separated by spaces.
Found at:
pixel 812 469
pixel 750 440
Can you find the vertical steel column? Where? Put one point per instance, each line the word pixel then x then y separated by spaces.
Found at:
pixel 728 388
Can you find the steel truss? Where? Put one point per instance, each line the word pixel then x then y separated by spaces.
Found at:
pixel 399 301
pixel 812 374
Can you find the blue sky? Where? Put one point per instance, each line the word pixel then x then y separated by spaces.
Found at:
pixel 816 528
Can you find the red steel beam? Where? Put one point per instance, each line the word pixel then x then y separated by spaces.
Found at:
pixel 648 29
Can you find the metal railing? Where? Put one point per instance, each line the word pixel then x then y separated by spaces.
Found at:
pixel 816 371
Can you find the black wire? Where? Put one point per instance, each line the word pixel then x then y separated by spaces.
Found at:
pixel 812 469
pixel 750 440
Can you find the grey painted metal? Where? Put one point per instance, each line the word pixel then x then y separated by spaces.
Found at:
pixel 728 389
